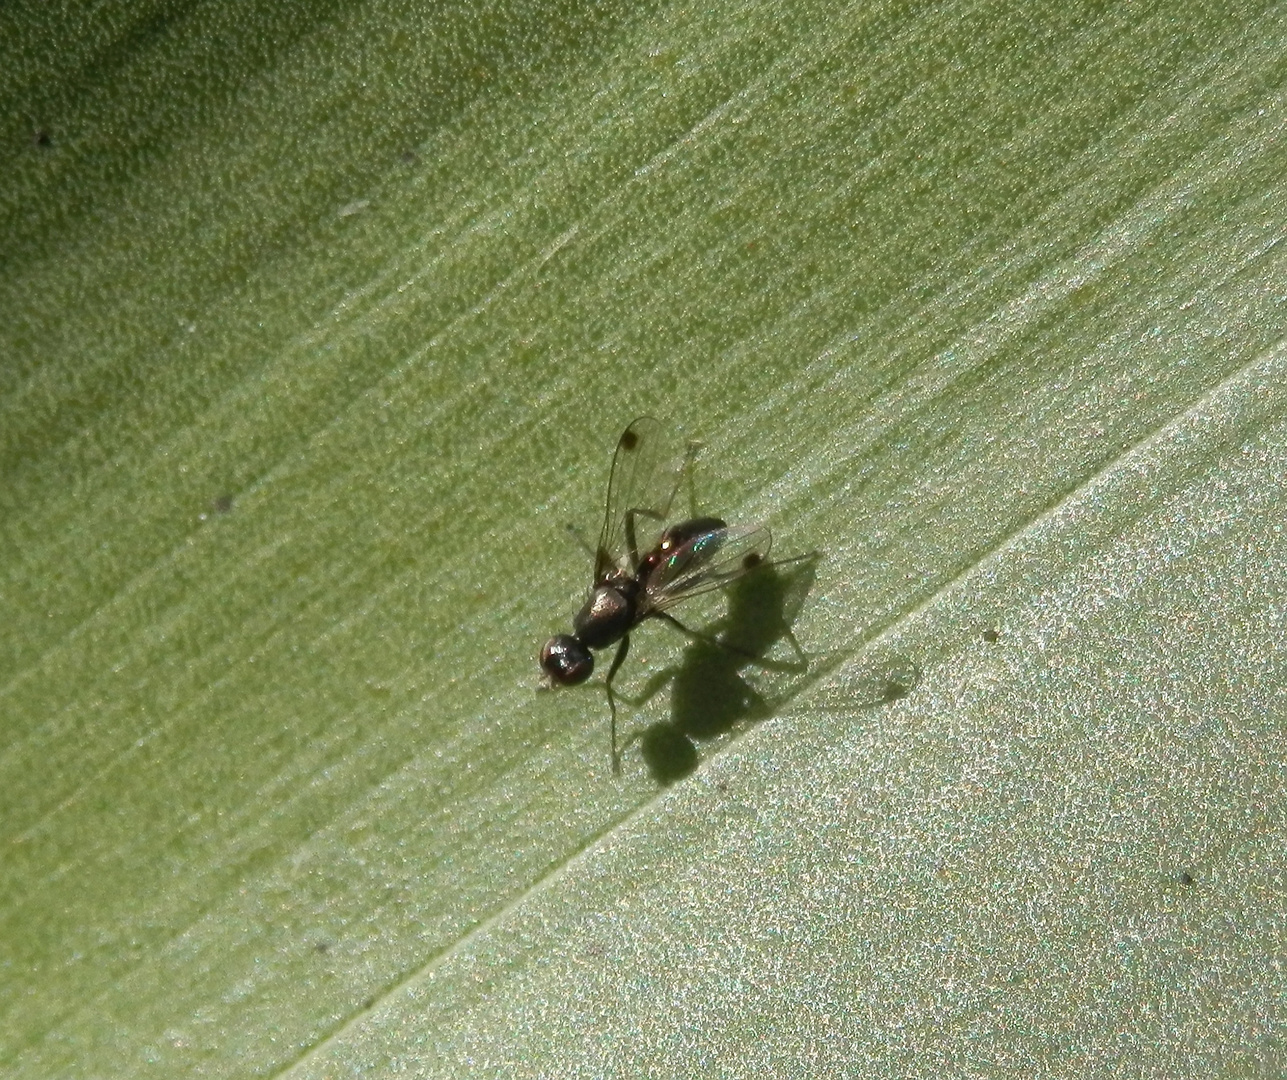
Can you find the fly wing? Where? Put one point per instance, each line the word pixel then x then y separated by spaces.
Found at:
pixel 645 477
pixel 708 561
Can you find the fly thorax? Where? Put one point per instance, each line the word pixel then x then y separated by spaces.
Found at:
pixel 607 615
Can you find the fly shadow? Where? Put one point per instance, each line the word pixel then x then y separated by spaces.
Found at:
pixel 714 686
pixel 710 692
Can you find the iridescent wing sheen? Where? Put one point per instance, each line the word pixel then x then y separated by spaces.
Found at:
pixel 645 477
pixel 708 561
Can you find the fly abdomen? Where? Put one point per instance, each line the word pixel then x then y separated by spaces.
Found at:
pixel 675 538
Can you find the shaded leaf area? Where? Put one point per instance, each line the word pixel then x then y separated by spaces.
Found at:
pixel 164 154
pixel 279 554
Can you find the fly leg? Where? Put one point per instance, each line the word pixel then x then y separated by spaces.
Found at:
pixel 697 635
pixel 617 661
pixel 757 659
pixel 632 544
pixel 686 474
pixel 661 512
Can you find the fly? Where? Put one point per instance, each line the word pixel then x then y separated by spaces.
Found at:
pixel 644 567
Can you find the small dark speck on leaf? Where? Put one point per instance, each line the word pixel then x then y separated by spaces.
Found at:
pixel 991 634
pixel 895 691
pixel 322 946
pixel 223 504
pixel 900 680
pixel 888 682
pixel 1185 878
pixel 41 137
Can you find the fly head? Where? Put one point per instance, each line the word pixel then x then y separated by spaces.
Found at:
pixel 566 660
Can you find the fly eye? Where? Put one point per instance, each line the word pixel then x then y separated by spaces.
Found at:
pixel 566 661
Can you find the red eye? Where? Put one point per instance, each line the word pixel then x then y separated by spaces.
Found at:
pixel 566 661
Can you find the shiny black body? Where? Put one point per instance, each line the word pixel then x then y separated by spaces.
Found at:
pixel 619 602
pixel 634 582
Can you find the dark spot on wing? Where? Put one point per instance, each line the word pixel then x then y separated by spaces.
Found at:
pixel 629 440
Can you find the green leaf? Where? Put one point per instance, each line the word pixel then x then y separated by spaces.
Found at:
pixel 319 327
